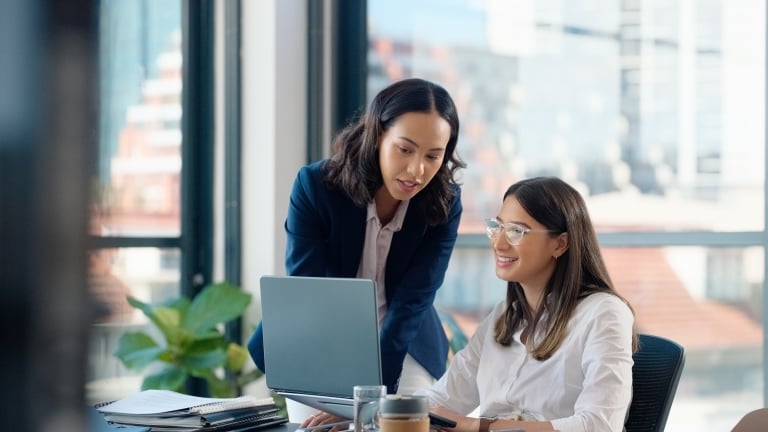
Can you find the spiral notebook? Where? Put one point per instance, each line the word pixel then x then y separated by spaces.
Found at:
pixel 171 403
pixel 164 410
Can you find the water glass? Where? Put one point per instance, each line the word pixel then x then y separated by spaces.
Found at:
pixel 366 402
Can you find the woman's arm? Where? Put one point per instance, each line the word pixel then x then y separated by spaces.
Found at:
pixel 457 391
pixel 606 392
pixel 306 229
pixel 473 424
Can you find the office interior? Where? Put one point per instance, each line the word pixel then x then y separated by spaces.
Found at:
pixel 148 148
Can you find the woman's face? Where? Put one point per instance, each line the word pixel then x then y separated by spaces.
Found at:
pixel 531 262
pixel 411 152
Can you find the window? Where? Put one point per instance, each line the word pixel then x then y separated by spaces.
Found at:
pixel 650 110
pixel 151 198
pixel 140 67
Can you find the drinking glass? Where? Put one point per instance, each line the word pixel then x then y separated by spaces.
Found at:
pixel 366 402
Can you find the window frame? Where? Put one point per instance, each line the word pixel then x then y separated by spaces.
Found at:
pixel 233 151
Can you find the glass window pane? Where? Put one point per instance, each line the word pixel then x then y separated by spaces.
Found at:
pixel 151 275
pixel 654 110
pixel 137 191
pixel 707 299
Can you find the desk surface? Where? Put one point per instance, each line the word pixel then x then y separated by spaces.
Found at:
pixel 285 427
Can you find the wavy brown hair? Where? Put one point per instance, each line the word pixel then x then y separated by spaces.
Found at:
pixel 354 165
pixel 579 272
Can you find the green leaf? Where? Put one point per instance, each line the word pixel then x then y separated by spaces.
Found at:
pixel 206 344
pixel 203 360
pixel 137 349
pixel 142 358
pixel 218 387
pixel 166 317
pixel 140 305
pixel 236 357
pixel 171 378
pixel 167 356
pixel 167 321
pixel 458 340
pixel 181 304
pixel 209 335
pixel 216 303
pixel 249 377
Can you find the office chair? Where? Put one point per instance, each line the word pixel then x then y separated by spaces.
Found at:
pixel 658 365
pixel 753 421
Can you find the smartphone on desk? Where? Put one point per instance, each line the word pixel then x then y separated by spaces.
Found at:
pixel 440 421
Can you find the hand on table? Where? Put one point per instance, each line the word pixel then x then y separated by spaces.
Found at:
pixel 316 422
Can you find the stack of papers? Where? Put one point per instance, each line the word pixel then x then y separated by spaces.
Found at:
pixel 168 411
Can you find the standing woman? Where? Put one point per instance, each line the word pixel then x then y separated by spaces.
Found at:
pixel 385 206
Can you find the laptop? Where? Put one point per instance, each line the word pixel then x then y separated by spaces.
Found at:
pixel 321 338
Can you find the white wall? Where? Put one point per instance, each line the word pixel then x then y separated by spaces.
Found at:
pixel 274 122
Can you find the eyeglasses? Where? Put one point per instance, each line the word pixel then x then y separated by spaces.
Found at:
pixel 513 232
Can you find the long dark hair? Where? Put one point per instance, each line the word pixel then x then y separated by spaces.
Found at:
pixel 579 272
pixel 354 166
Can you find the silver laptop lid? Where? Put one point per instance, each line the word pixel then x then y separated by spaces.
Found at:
pixel 321 335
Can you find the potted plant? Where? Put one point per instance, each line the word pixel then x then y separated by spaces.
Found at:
pixel 194 344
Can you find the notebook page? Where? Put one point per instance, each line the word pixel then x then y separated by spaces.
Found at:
pixel 155 402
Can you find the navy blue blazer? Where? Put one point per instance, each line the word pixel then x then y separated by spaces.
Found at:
pixel 325 236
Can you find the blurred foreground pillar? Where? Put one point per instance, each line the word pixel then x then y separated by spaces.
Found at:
pixel 47 125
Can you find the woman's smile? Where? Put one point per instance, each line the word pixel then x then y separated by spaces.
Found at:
pixel 504 261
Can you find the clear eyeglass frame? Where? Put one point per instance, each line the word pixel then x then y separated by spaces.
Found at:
pixel 513 232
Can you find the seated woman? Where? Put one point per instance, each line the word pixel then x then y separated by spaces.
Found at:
pixel 557 353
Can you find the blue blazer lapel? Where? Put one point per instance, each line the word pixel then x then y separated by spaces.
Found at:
pixel 352 221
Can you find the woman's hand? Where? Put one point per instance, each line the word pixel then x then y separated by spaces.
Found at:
pixel 320 418
pixel 473 424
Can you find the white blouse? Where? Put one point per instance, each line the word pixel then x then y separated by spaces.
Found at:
pixel 378 239
pixel 586 385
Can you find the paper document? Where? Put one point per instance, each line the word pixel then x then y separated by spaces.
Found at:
pixel 162 401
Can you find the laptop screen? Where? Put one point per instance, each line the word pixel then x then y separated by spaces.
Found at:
pixel 321 335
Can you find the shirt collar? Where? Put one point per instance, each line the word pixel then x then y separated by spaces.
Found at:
pixel 396 224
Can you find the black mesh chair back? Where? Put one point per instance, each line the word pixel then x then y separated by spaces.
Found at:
pixel 655 374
